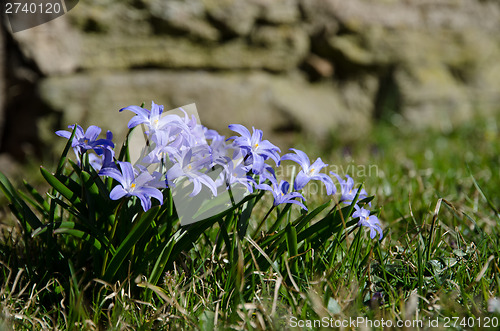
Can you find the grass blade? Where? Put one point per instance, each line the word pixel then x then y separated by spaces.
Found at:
pixel 62 159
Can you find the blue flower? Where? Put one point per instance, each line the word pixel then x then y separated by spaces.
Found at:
pixel 212 134
pixel 370 221
pixel 161 149
pixel 222 153
pixel 153 118
pixel 309 172
pixel 235 173
pixel 267 173
pixel 139 185
pixel 257 149
pixel 84 141
pixel 280 193
pixel 106 160
pixel 348 193
pixel 187 167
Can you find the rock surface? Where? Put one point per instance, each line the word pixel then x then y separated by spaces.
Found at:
pixel 269 102
pixel 3 78
pixel 53 47
pixel 318 67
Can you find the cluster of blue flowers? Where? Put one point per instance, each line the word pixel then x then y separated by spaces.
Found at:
pixel 182 148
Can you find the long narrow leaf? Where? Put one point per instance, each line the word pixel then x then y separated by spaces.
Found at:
pixel 132 238
pixel 62 188
pixel 32 202
pixel 291 240
pixel 161 263
pixel 80 234
pixel 64 154
pixel 37 196
pixel 193 231
pixel 23 212
pixel 7 188
pixel 242 224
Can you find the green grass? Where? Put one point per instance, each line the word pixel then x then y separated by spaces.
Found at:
pixel 439 258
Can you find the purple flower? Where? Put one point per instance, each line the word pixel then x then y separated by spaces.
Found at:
pixel 370 221
pixel 195 134
pixel 267 173
pixel 132 184
pixel 84 141
pixel 106 160
pixel 252 144
pixel 212 134
pixel 153 118
pixel 348 193
pixel 187 167
pixel 162 150
pixel 309 171
pixel 235 173
pixel 220 151
pixel 281 195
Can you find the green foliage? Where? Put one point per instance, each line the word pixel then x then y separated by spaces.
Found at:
pixel 439 258
pixel 82 235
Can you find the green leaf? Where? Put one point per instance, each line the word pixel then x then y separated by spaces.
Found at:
pixel 291 240
pixel 193 231
pixel 101 188
pixel 68 208
pixel 69 194
pixel 80 234
pixel 64 154
pixel 334 220
pixel 275 240
pixel 280 218
pixel 22 211
pixel 141 226
pixel 206 320
pixel 34 193
pixel 485 197
pixel 32 202
pixel 303 220
pixel 82 231
pixel 97 195
pixel 161 263
pixel 7 188
pixel 242 224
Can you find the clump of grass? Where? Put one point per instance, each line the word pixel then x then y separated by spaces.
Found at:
pixel 439 258
pixel 97 227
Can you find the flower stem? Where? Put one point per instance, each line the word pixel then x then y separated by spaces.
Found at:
pixel 263 220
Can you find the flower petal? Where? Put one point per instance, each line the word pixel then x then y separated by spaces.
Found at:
pixel 92 133
pixel 138 110
pixel 135 121
pixel 301 180
pixel 117 193
pixel 128 173
pixel 240 129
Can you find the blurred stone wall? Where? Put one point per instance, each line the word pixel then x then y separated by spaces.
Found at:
pixel 314 67
pixel 2 80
